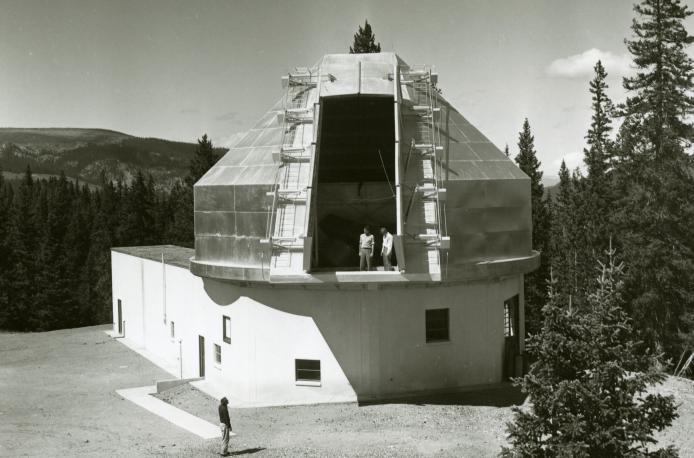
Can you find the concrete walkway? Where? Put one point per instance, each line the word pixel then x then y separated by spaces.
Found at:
pixel 142 397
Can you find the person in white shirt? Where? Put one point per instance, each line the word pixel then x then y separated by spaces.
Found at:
pixel 366 249
pixel 387 249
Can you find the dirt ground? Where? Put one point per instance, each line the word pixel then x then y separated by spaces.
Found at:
pixel 57 399
pixel 412 429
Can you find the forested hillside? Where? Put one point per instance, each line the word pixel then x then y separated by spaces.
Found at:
pixel 91 154
pixel 56 235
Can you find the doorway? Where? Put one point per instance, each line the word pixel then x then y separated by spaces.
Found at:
pixel 511 337
pixel 120 318
pixel 201 355
pixel 356 177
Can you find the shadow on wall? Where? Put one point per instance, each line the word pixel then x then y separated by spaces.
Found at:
pixel 375 337
pixel 334 320
pixel 504 395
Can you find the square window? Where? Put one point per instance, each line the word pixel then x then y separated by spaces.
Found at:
pixel 226 329
pixel 173 329
pixel 436 325
pixel 307 370
pixel 217 354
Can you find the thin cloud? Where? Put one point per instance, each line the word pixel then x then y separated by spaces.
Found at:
pixel 233 116
pixel 580 65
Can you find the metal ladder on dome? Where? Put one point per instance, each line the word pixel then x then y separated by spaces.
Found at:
pixel 426 145
pixel 286 225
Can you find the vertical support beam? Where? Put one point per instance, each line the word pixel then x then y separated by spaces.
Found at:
pixel 521 313
pixel 163 285
pixel 310 217
pixel 143 303
pixel 398 166
pixel 308 245
pixel 359 78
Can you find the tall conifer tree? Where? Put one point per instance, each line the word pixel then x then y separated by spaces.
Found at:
pixel 562 246
pixel 598 154
pixel 594 230
pixel 204 158
pixel 54 275
pixel 364 41
pixel 654 176
pixel 535 293
pixel 23 239
pixel 5 253
pixel 590 383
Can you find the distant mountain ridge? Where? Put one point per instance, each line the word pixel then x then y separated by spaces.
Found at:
pixel 85 153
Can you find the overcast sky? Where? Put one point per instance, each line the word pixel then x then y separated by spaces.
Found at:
pixel 175 69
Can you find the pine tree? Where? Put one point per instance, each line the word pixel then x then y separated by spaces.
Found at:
pixel 180 228
pixel 661 96
pixel 364 41
pixel 653 176
pixel 5 248
pixel 535 294
pixel 55 268
pixel 109 206
pixel 23 238
pixel 562 246
pixel 593 228
pixel 138 213
pixel 99 259
pixel 56 287
pixel 204 158
pixel 589 386
pixel 78 239
pixel 597 155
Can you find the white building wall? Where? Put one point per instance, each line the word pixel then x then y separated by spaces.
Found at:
pixel 371 343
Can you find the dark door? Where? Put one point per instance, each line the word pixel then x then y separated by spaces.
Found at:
pixel 120 318
pixel 201 355
pixel 511 337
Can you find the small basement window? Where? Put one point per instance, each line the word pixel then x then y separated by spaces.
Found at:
pixel 307 370
pixel 217 354
pixel 437 325
pixel 226 329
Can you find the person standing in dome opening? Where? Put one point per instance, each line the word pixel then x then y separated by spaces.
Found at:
pixel 366 249
pixel 387 249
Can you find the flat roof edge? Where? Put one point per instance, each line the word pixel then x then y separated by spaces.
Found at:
pixel 474 271
pixel 173 255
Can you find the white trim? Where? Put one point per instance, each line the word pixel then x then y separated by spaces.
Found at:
pixel 308 383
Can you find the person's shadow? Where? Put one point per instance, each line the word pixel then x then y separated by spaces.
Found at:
pixel 248 451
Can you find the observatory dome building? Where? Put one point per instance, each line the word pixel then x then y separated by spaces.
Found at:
pixel 271 307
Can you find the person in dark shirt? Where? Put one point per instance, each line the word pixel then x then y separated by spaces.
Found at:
pixel 225 425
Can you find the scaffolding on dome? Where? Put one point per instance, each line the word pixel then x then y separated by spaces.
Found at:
pixel 354 140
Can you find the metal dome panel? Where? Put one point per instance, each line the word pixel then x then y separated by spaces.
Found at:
pixel 270 210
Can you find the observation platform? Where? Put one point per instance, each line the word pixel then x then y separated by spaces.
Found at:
pixel 183 257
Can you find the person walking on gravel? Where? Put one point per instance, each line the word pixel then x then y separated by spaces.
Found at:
pixel 225 425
